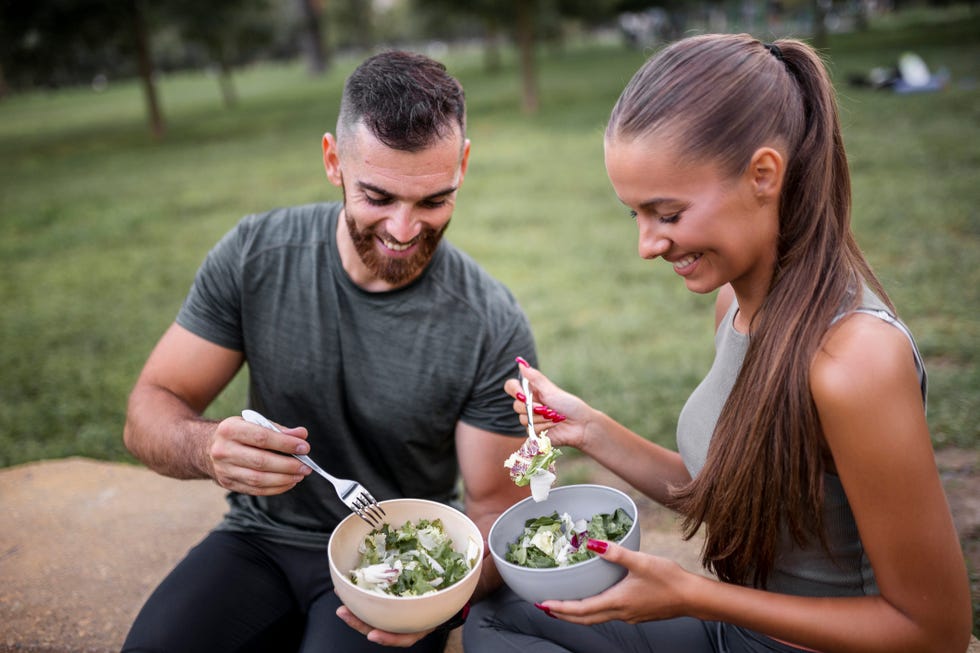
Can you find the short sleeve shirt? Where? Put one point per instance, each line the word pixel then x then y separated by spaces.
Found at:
pixel 380 379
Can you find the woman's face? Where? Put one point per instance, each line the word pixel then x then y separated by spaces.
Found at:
pixel 712 228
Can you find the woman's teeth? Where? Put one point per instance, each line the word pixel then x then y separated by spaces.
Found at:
pixel 686 261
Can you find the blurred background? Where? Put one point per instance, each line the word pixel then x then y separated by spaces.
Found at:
pixel 133 134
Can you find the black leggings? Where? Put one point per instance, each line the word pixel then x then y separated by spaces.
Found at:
pixel 236 592
pixel 505 623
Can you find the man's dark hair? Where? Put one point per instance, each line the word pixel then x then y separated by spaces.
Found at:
pixel 407 100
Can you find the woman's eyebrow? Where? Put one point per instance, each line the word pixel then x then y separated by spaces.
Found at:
pixel 654 203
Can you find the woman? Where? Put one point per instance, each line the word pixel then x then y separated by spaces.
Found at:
pixel 805 451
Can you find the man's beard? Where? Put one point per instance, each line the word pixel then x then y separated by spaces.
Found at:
pixel 395 271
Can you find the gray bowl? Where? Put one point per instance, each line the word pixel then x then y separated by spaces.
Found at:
pixel 576 581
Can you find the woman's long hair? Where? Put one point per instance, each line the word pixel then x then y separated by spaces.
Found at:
pixel 719 98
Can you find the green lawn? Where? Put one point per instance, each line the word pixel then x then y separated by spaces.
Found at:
pixel 101 230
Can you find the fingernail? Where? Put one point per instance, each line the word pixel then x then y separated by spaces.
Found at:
pixel 597 545
pixel 302 448
pixel 545 610
pixel 560 418
pixel 540 410
pixel 521 397
pixel 550 414
pixel 521 361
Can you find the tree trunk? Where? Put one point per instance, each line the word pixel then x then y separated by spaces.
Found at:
pixel 491 45
pixel 525 42
pixel 142 42
pixel 820 36
pixel 316 55
pixel 225 81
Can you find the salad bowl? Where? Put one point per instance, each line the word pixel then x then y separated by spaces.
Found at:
pixel 574 581
pixel 404 614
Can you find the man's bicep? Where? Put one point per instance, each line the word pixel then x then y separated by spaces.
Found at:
pixel 191 367
pixel 486 482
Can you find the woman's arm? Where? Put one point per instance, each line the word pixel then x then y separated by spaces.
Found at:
pixel 869 402
pixel 647 466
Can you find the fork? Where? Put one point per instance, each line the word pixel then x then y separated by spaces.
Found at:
pixel 354 495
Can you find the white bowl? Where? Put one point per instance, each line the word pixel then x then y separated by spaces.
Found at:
pixel 576 581
pixel 403 614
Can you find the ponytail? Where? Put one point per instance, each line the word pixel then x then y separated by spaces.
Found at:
pixel 722 97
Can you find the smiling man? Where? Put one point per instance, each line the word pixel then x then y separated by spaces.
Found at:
pixel 381 345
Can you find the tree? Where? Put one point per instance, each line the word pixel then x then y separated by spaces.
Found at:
pixel 227 30
pixel 141 43
pixel 526 44
pixel 311 16
pixel 51 43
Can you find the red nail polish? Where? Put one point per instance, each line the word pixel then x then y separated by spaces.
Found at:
pixel 550 414
pixel 540 410
pixel 521 397
pixel 545 610
pixel 597 545
pixel 521 361
pixel 560 418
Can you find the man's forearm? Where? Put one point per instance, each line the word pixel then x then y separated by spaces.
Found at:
pixel 167 435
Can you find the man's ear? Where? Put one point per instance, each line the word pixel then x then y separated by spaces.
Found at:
pixel 464 161
pixel 766 171
pixel 331 160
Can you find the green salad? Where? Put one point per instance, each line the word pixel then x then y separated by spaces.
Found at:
pixel 558 541
pixel 412 560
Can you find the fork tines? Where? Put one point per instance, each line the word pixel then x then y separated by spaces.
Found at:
pixel 368 509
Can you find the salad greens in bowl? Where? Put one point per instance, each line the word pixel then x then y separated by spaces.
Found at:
pixel 539 547
pixel 411 574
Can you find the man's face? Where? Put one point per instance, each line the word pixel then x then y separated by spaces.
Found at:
pixel 397 204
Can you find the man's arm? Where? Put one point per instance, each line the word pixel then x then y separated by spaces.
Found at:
pixel 166 431
pixel 488 488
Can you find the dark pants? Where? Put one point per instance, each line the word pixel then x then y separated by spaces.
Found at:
pixel 236 592
pixel 505 623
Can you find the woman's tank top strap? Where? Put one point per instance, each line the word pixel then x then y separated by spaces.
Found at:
pixel 884 315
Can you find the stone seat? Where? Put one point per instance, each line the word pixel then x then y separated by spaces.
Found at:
pixel 83 543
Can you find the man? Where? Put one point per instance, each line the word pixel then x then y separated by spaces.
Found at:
pixel 357 321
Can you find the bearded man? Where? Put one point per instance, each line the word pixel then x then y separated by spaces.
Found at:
pixel 380 344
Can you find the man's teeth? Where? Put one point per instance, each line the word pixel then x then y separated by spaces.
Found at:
pixel 686 261
pixel 396 246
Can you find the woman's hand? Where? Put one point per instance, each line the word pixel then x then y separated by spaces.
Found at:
pixel 652 590
pixel 563 415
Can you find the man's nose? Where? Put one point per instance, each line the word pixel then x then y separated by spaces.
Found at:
pixel 402 224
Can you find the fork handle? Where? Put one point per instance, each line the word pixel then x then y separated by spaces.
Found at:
pixel 259 419
pixel 316 468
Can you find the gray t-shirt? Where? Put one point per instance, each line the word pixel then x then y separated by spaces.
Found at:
pixel 809 570
pixel 380 379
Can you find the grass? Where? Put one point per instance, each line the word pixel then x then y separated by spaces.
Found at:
pixel 101 230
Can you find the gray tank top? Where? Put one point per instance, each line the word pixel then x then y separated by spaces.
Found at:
pixel 807 570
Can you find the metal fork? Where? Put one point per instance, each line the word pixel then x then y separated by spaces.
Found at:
pixel 354 495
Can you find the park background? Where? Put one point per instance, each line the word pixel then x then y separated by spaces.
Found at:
pixel 115 180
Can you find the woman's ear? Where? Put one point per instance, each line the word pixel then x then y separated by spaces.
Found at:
pixel 331 160
pixel 766 171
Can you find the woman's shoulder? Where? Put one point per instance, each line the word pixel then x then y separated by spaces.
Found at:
pixel 861 356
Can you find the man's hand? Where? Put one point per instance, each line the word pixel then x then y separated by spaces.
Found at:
pixel 402 640
pixel 255 460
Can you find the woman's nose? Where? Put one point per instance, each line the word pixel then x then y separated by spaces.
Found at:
pixel 653 242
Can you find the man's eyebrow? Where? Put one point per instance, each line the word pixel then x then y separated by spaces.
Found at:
pixel 381 191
